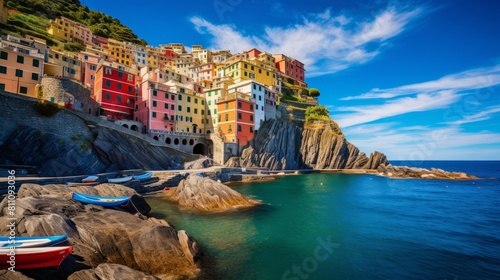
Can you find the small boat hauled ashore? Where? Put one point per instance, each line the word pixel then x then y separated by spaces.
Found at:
pixel 31 241
pixel 27 258
pixel 144 176
pixel 120 179
pixel 109 201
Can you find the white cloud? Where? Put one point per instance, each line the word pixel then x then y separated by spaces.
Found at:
pixel 467 80
pixel 325 43
pixel 422 102
pixel 481 116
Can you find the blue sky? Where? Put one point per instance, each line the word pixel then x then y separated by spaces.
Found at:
pixel 416 80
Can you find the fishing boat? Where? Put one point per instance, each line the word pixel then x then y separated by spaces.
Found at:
pixel 144 176
pixel 120 179
pixel 90 179
pixel 31 241
pixel 27 258
pixel 109 201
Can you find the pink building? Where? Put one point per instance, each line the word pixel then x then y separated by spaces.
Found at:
pixel 82 34
pixel 89 67
pixel 156 106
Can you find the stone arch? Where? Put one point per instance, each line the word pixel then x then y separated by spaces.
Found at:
pixel 208 132
pixel 191 142
pixel 176 141
pixel 168 141
pixel 134 127
pixel 184 141
pixel 155 137
pixel 199 149
pixel 126 126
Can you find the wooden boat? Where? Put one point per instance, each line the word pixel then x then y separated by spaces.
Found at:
pixel 120 180
pixel 31 241
pixel 109 201
pixel 26 258
pixel 82 183
pixel 90 179
pixel 144 176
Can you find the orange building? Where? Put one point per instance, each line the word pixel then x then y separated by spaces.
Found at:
pixel 292 68
pixel 21 66
pixel 236 118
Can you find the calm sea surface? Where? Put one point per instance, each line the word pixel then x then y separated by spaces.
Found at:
pixel 321 226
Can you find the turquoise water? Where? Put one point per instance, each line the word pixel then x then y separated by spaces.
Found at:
pixel 333 226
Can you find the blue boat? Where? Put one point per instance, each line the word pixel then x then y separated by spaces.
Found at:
pixel 109 201
pixel 31 241
pixel 144 176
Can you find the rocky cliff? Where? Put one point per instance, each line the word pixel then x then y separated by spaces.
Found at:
pixel 281 145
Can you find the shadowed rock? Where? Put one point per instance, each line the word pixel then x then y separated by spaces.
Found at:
pixel 202 193
pixel 414 172
pixel 100 235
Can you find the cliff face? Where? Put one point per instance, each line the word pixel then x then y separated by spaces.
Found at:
pixel 284 145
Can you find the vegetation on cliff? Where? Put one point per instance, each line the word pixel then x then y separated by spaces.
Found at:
pixel 36 13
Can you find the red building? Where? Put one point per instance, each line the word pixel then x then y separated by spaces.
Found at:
pixel 114 89
pixel 291 68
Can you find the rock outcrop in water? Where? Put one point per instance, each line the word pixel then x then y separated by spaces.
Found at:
pixel 281 145
pixel 99 235
pixel 205 194
pixel 413 172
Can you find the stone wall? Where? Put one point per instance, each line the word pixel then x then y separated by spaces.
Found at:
pixel 58 90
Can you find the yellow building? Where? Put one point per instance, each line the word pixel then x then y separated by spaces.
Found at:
pixel 190 107
pixel 245 69
pixel 62 28
pixel 21 67
pixel 203 56
pixel 119 53
pixel 212 96
pixel 71 65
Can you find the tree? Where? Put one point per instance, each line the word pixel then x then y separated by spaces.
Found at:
pixel 316 113
pixel 314 92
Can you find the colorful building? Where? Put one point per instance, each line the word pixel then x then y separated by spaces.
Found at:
pixel 203 56
pixel 71 65
pixel 82 35
pixel 245 69
pixel 256 93
pixel 21 67
pixel 119 53
pixel 292 68
pixel 139 54
pixel 155 107
pixel 114 89
pixel 202 74
pixel 190 109
pixel 62 28
pixel 236 118
pixel 89 62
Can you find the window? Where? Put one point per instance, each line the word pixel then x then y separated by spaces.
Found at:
pixel 3 70
pixel 254 96
pixel 4 55
pixel 165 116
pixel 108 71
pixel 20 59
pixel 260 97
pixel 202 102
pixel 227 117
pixel 172 107
pixel 154 115
pixel 166 95
pixel 203 112
pixel 230 128
pixel 129 89
pixel 196 101
pixel 119 86
pixel 195 110
pixel 36 62
pixel 155 93
pixel 239 128
pixel 256 107
pixel 172 97
pixel 179 108
pixel 215 111
pixel 209 102
pixel 34 76
pixel 239 116
pixel 154 103
pixel 251 107
pixel 166 106
pixel 209 93
pixel 172 118
pixel 23 90
pixel 108 83
pixel 227 105
pixel 118 99
pixel 189 99
pixel 251 117
pixel 2 87
pixel 108 96
pixel 179 97
pixel 239 105
pixel 189 109
pixel 19 73
pixel 251 129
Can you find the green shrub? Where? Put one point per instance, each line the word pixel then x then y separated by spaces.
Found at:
pixel 314 92
pixel 317 113
pixel 46 108
pixel 74 47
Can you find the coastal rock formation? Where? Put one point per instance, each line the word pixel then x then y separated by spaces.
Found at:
pixel 283 145
pixel 205 194
pixel 100 235
pixel 110 271
pixel 413 172
pixel 109 151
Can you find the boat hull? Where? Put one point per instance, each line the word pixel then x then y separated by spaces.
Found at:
pixel 144 176
pixel 120 180
pixel 108 201
pixel 31 241
pixel 27 258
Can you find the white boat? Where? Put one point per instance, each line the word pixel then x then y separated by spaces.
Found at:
pixel 144 176
pixel 90 179
pixel 120 179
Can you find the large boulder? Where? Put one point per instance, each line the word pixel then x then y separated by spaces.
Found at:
pixel 111 271
pixel 205 194
pixel 100 235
